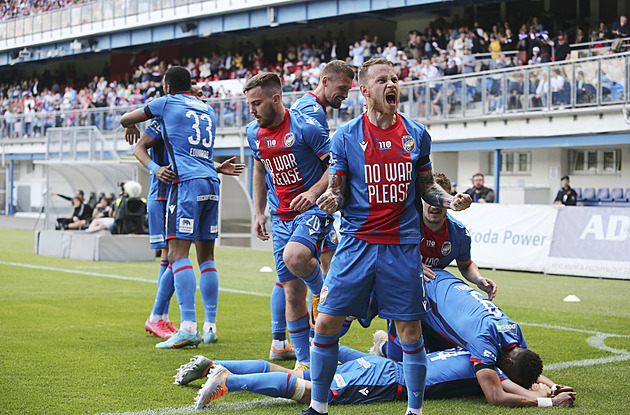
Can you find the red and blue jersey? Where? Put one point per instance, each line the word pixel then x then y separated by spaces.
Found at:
pixel 291 153
pixel 439 249
pixel 158 190
pixel 310 105
pixel 382 166
pixel 467 318
pixel 188 128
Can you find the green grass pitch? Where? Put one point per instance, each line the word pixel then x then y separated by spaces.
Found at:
pixel 74 342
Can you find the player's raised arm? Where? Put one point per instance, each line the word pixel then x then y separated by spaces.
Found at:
pixel 132 118
pixel 260 202
pixel 434 195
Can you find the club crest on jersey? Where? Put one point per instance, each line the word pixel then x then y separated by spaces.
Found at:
pixel 408 143
pixel 289 139
pixel 446 248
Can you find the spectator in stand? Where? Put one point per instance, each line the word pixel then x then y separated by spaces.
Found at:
pixel 480 193
pixel 494 47
pixel 620 30
pixel 535 56
pixel 561 49
pixel 356 53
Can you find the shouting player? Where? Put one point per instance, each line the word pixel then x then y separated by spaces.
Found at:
pixel 380 161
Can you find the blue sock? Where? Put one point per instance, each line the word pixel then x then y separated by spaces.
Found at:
pixel 245 367
pixel 209 287
pixel 315 281
pixel 324 355
pixel 165 291
pixel 298 333
pixel 163 266
pixel 276 384
pixel 415 370
pixel 278 305
pixel 185 287
pixel 344 328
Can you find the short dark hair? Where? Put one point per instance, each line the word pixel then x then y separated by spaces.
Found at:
pixel 268 81
pixel 334 69
pixel 178 78
pixel 363 70
pixel 443 181
pixel 528 366
pixel 565 177
pixel 478 174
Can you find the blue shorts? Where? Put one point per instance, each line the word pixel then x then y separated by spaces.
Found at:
pixel 308 228
pixel 157 223
pixel 193 210
pixel 383 379
pixel 392 273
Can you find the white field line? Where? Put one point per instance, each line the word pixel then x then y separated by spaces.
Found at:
pixel 596 341
pixel 114 276
pixel 237 407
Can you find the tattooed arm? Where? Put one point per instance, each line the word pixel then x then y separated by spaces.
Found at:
pixel 334 197
pixel 434 195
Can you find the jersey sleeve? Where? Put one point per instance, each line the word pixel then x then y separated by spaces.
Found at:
pixel 252 139
pixel 338 156
pixel 155 108
pixel 316 137
pixel 424 161
pixel 464 246
pixel 154 130
pixel 483 351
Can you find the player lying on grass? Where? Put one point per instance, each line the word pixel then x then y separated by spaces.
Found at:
pixel 361 378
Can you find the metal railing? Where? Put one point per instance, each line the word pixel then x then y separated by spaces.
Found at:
pixel 79 143
pixel 582 83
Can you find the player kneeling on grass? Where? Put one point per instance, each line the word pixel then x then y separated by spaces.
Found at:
pixel 361 378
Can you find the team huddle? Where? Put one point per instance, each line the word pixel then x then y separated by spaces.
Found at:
pixel 444 338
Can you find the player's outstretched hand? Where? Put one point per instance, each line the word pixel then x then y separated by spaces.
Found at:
pixel 302 202
pixel 328 202
pixel 461 201
pixel 165 174
pixel 132 134
pixel 428 272
pixel 564 399
pixel 561 388
pixel 260 228
pixel 488 286
pixel 229 168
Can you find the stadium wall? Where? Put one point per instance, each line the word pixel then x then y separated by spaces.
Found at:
pixel 580 241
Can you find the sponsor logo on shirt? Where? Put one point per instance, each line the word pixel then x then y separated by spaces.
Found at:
pixel 504 325
pixel 363 362
pixel 186 225
pixel 339 380
pixel 171 208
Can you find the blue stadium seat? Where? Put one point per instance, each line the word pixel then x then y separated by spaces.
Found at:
pixel 589 194
pixel 578 190
pixel 603 194
pixel 627 194
pixel 616 194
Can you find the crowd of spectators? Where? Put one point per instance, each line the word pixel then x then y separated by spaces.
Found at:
pixel 12 9
pixel 442 49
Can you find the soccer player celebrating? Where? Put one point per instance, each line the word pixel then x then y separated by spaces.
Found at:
pixel 159 187
pixel 289 152
pixel 361 378
pixel 379 161
pixel 188 128
pixel 334 83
